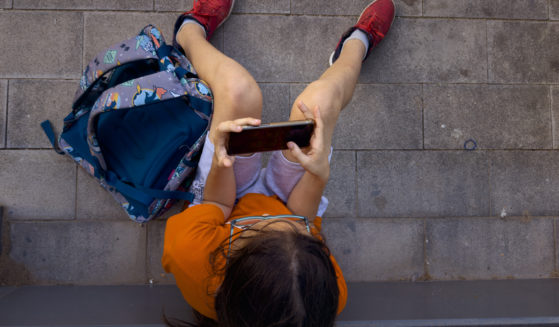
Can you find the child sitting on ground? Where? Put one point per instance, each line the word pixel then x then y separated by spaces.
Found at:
pixel 248 252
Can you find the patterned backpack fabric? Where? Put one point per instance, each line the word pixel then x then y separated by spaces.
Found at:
pixel 138 124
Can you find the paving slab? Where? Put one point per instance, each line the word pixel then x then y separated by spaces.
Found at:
pixel 430 50
pixel 5 290
pixel 92 306
pixel 155 271
pixel 490 248
pixel 422 184
pixel 376 249
pixel 173 5
pixel 448 303
pixel 556 222
pixel 524 183
pixel 452 303
pixel 262 6
pixel 105 29
pixel 94 202
pixel 44 57
pixel 383 117
pixel 37 184
pixel 555 115
pixel 6 4
pixel 102 30
pixel 508 9
pixel 341 189
pixel 85 4
pixel 276 102
pixel 492 116
pixel 84 253
pixel 298 56
pixel 33 101
pixel 355 7
pixel 554 9
pixel 523 52
pixel 3 112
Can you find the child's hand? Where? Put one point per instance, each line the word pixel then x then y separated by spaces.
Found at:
pixel 221 158
pixel 315 158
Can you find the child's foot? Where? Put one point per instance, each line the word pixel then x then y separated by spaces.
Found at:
pixel 210 14
pixel 374 23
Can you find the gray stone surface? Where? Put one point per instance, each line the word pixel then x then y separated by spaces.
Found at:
pixel 376 249
pixel 355 7
pixel 156 233
pixel 262 6
pixel 276 104
pixel 554 9
pixel 85 4
pixel 272 54
pixel 555 115
pixel 32 102
pixel 3 113
pixel 379 117
pixel 94 202
pixel 105 29
pixel 422 184
pixel 430 50
pixel 487 70
pixel 83 253
pixel 26 53
pixel 37 184
pixel 515 9
pixel 495 116
pixel 523 52
pixel 524 183
pixel 490 248
pixel 173 5
pixel 341 189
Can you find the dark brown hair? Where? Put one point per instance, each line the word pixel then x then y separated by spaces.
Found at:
pixel 277 278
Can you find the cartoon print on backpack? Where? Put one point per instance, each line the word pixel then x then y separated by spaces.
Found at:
pixel 113 101
pixel 144 42
pixel 124 47
pixel 145 96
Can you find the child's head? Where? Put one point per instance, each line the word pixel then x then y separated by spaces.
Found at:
pixel 278 278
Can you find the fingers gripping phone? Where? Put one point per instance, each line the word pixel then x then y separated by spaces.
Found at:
pixel 270 137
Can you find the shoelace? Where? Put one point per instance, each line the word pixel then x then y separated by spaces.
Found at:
pixel 376 22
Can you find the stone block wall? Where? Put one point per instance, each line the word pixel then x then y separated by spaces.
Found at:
pixel 445 164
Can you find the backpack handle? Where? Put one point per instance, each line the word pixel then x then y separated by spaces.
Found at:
pixel 95 77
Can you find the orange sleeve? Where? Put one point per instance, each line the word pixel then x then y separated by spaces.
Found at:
pixel 190 238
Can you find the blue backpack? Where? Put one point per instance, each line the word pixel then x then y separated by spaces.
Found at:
pixel 138 124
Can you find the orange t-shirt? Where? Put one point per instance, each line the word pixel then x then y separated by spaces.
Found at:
pixel 192 235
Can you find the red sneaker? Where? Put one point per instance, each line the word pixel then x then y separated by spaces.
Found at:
pixel 375 21
pixel 209 13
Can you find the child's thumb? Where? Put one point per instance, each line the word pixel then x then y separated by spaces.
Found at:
pixel 296 151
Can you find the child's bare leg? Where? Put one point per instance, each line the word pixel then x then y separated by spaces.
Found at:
pixel 236 93
pixel 333 90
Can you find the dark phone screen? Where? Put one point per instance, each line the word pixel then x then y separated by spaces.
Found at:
pixel 270 137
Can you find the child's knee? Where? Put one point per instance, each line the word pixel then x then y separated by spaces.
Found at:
pixel 322 93
pixel 327 96
pixel 244 97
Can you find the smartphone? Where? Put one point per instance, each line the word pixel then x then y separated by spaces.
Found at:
pixel 270 137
